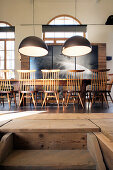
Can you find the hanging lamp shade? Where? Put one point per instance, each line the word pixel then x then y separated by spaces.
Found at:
pixel 33 46
pixel 76 46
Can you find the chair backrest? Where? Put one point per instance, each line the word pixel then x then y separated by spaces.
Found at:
pixel 50 80
pixel 5 84
pixel 109 82
pixel 26 80
pixel 74 80
pixel 99 80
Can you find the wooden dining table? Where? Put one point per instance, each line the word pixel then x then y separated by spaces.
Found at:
pixel 39 83
pixel 62 85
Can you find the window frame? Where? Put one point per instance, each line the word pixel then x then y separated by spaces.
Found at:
pixel 62 39
pixel 5 40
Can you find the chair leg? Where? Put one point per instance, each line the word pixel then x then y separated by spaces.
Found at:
pixel 44 101
pixel 2 100
pixel 64 98
pixel 73 100
pixel 30 100
pixel 36 98
pixel 21 99
pixel 102 97
pixel 65 101
pixel 8 100
pixel 68 99
pixel 41 98
pixel 80 100
pixel 57 100
pixel 89 97
pixel 105 98
pixel 110 96
pixel 92 99
pixel 14 98
pixel 34 102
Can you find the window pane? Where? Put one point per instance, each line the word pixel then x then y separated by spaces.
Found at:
pixel 79 33
pixel 59 21
pixel 59 34
pixel 1 45
pixel 75 22
pixel 10 35
pixel 10 45
pixel 1 55
pixel 2 35
pixel 68 34
pixel 10 75
pixel 10 55
pixel 68 21
pixel 49 41
pixel 1 75
pixel 4 25
pixel 49 34
pixel 7 35
pixel 1 64
pixel 60 41
pixel 9 64
pixel 52 22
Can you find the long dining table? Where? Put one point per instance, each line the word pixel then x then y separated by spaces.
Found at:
pixel 39 83
pixel 62 85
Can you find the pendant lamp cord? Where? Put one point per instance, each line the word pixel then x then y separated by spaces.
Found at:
pixel 75 8
pixel 75 30
pixel 33 19
pixel 75 12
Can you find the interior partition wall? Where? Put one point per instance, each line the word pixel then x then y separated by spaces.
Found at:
pixel 56 60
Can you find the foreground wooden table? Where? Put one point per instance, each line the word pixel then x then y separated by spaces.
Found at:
pixel 57 141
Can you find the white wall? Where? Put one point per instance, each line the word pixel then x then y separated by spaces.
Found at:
pixel 92 12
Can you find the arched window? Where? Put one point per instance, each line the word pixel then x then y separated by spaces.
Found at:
pixel 60 37
pixel 7 44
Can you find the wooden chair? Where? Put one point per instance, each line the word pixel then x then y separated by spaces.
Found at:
pixel 109 86
pixel 6 90
pixel 74 85
pixel 27 88
pixel 50 85
pixel 99 86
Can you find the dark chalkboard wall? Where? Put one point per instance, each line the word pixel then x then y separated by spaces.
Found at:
pixel 56 60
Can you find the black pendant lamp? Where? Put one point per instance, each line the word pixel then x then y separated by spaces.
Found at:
pixel 76 46
pixel 33 46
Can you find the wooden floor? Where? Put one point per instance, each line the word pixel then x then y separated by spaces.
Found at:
pixel 52 108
